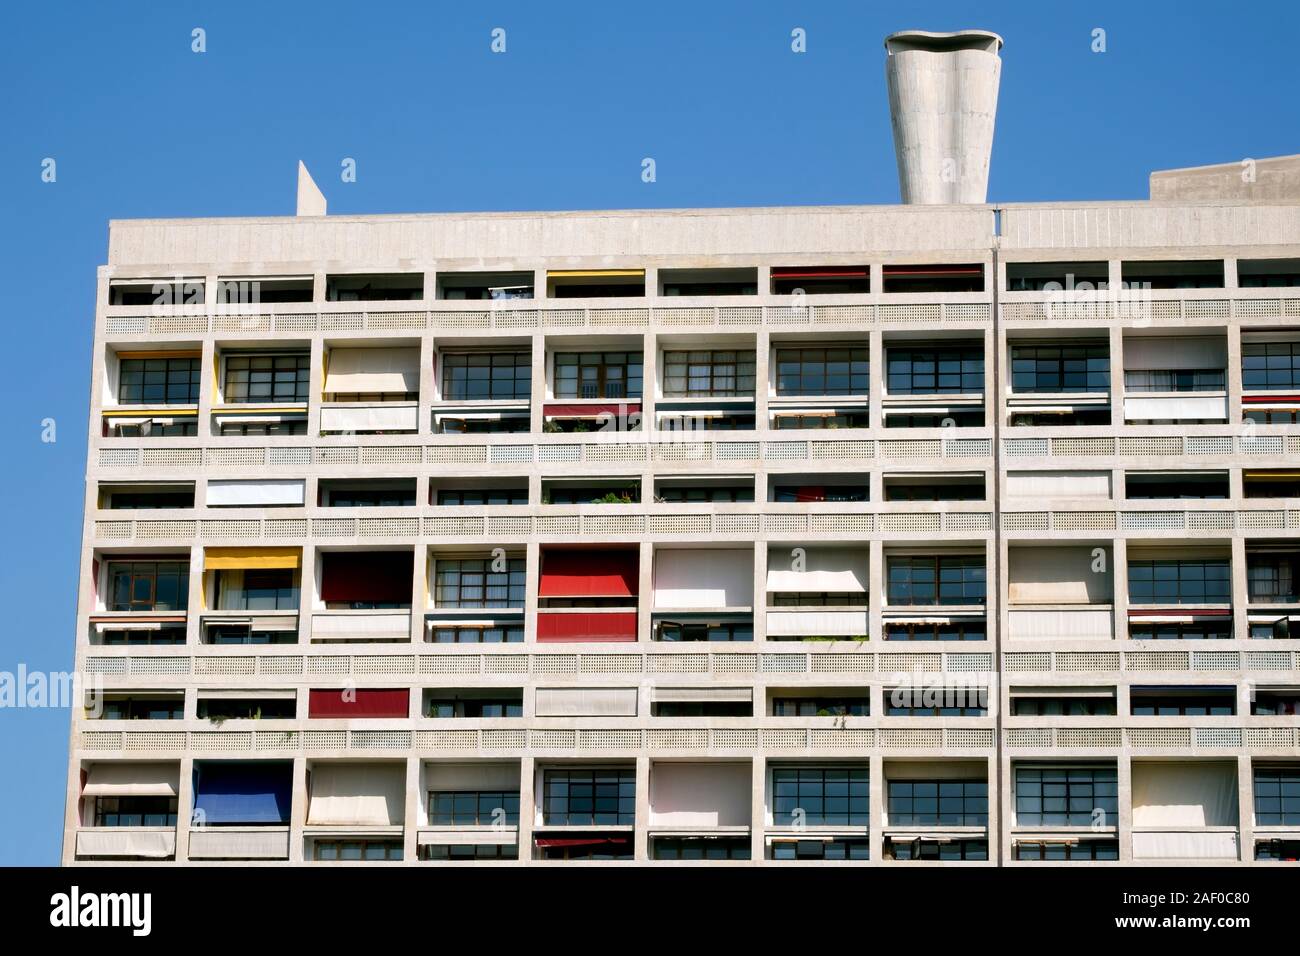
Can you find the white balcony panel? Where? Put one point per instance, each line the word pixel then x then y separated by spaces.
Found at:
pixel 357 794
pixel 813 623
pixel 586 701
pixel 154 843
pixel 255 494
pixel 361 625
pixel 1060 624
pixel 1184 844
pixel 700 794
pixel 1059 575
pixel 1058 484
pixel 497 836
pixel 370 370
pixel 364 417
pixel 686 578
pixel 708 693
pixel 239 843
pixel 830 570
pixel 1178 406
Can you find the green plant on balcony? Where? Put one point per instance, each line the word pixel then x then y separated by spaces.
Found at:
pixel 551 427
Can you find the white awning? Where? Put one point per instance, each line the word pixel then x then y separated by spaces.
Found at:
pixel 686 578
pixel 1090 692
pixel 133 780
pixel 352 794
pixel 147 842
pixel 586 701
pixel 507 836
pixel 371 370
pixel 830 570
pixel 223 493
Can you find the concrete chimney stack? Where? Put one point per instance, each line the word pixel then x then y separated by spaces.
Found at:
pixel 943 98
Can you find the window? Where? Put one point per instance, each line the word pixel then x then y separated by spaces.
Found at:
pixel 556 493
pixel 476 707
pixel 1183 701
pixel 465 852
pixel 475 583
pixel 585 846
pixel 708 373
pixel 371 497
pixel 257 590
pixel 1270 366
pixel 702 708
pixel 173 634
pixel 1063 850
pixel 1060 368
pixel 1062 706
pixel 505 424
pixel 954 418
pixel 1210 629
pixel 818 599
pixel 827 419
pixel 605 797
pixel 270 708
pixel 1175 380
pixel 506 634
pixel 1274 416
pixel 1279 850
pixel 477 497
pixel 1179 582
pixel 357 850
pixel 673 631
pixel 934 491
pixel 1078 416
pixel 1278 484
pixel 135 811
pixel 821 707
pixel 1057 276
pixel 954 579
pixel 160 381
pixel 598 375
pixel 839 848
pixel 145 500
pixel 938 631
pixel 267 378
pixel 148 586
pixel 933 371
pixel 289 426
pixel 933 803
pixel 936 850
pixel 700 848
pixel 143 708
pixel 1277 796
pixel 679 495
pixel 1278 630
pixel 235 634
pixel 821 280
pixel 396 286
pixel 1176 485
pixel 822 371
pixel 1273 578
pixel 820 796
pixel 156 429
pixel 817 493
pixel 1271 703
pixel 948 702
pixel 1066 796
pixel 474 376
pixel 473 808
pixel 943 277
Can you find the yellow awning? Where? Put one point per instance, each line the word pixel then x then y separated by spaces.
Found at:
pixel 592 273
pixel 1292 475
pixel 236 559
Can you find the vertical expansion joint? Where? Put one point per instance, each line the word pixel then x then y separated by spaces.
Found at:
pixel 943 99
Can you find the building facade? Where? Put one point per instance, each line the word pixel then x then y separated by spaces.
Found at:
pixel 850 536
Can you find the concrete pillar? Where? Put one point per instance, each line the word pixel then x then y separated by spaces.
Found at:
pixel 641 833
pixel 298 811
pixel 1246 807
pixel 758 808
pixel 527 806
pixel 537 392
pixel 1240 590
pixel 1124 778
pixel 412 811
pixel 184 808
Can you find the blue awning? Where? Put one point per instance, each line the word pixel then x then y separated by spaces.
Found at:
pixel 243 793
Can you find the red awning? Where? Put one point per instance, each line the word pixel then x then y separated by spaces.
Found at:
pixel 816 272
pixel 581 841
pixel 379 576
pixel 596 627
pixel 583 573
pixel 383 702
pixel 1268 399
pixel 591 411
pixel 935 270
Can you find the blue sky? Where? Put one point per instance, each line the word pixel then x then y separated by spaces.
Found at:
pixel 141 126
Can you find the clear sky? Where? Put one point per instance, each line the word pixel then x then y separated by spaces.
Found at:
pixel 141 126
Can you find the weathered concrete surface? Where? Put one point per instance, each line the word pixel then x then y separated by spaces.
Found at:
pixel 1271 179
pixel 943 99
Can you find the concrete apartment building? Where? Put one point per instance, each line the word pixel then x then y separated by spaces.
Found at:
pixel 944 532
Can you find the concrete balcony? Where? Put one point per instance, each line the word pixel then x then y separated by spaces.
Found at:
pixel 362 417
pixel 377 626
pixel 154 843
pixel 239 843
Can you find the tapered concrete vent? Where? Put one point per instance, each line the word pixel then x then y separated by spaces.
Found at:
pixel 943 99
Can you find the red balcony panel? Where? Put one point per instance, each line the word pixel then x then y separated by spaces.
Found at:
pixel 339 702
pixel 594 626
pixel 379 576
pixel 588 573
